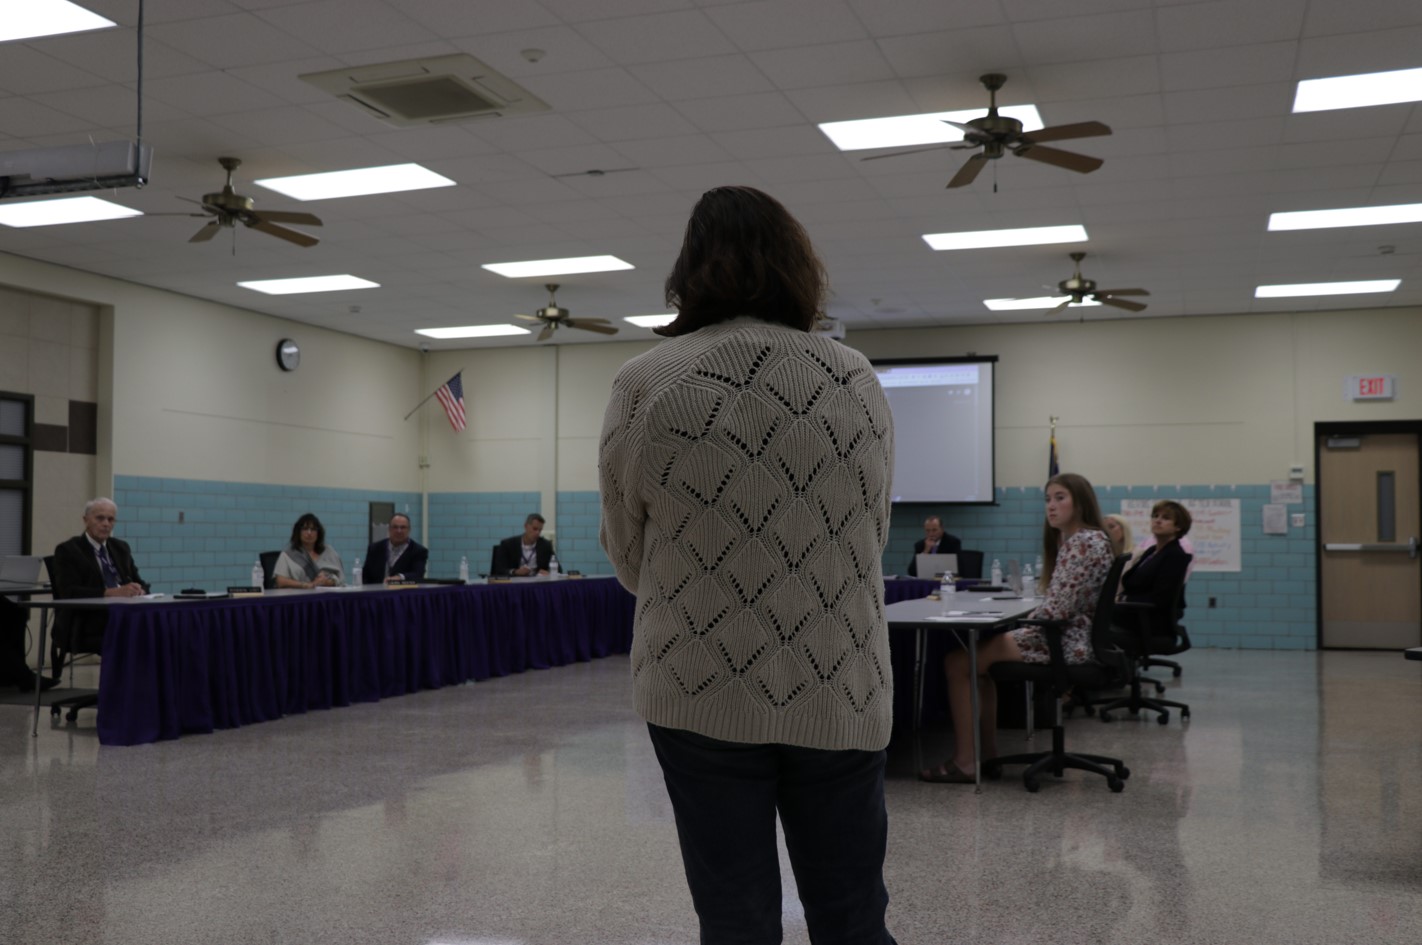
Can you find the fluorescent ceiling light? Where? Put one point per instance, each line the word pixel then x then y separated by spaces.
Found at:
pixel 558 267
pixel 1346 216
pixel 47 18
pixel 1029 236
pixel 308 284
pixel 1046 301
pixel 63 210
pixel 472 331
pixel 908 130
pixel 358 182
pixel 1359 91
pixel 650 321
pixel 1325 288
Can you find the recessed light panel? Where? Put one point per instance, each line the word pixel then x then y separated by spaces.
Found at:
pixel 358 182
pixel 62 210
pixel 1346 216
pixel 650 321
pixel 1326 288
pixel 1359 91
pixel 1021 305
pixel 31 18
pixel 558 267
pixel 902 131
pixel 308 284
pixel 984 239
pixel 472 331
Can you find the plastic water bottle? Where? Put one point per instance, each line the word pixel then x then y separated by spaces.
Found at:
pixel 1029 581
pixel 259 577
pixel 357 579
pixel 553 567
pixel 1038 568
pixel 947 592
pixel 464 569
pixel 996 573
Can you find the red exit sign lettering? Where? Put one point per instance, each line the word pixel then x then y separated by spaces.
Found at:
pixel 1371 387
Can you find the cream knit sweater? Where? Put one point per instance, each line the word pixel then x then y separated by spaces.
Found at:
pixel 746 472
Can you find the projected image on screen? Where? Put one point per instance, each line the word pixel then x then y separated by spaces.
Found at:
pixel 943 429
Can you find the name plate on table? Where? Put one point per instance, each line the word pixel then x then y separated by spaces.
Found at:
pixel 402 584
pixel 244 592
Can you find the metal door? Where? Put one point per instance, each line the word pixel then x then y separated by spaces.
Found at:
pixel 1370 520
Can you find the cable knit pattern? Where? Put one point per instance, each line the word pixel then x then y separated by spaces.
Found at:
pixel 745 472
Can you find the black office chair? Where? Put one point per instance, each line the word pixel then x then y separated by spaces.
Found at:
pixel 269 560
pixel 1108 665
pixel 1167 643
pixel 1138 624
pixel 970 564
pixel 65 651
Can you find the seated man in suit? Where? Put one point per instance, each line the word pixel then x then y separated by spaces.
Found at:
pixel 397 558
pixel 94 564
pixel 935 542
pixel 522 555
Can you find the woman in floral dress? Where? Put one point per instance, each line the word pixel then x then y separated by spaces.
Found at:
pixel 1076 557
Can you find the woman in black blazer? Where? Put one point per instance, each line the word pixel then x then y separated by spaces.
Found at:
pixel 1154 577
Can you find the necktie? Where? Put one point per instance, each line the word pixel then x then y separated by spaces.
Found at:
pixel 111 576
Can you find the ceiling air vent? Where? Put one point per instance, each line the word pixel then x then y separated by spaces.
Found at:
pixel 428 91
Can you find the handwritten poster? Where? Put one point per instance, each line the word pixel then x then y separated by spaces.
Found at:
pixel 1214 531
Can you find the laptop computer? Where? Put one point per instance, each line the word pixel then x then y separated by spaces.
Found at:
pixel 20 569
pixel 931 566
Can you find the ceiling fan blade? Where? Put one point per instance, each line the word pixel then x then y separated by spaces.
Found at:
pixel 969 171
pixel 936 147
pixel 206 233
pixel 965 129
pixel 286 216
pixel 1057 158
pixel 1060 307
pixel 1119 303
pixel 281 232
pixel 1081 129
pixel 1122 292
pixel 529 318
pixel 591 324
pixel 191 200
pixel 547 331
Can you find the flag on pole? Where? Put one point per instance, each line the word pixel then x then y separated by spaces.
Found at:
pixel 1053 466
pixel 451 398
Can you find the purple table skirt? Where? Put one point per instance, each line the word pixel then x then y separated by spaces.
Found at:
pixel 171 669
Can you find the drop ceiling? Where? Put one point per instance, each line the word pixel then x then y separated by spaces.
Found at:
pixel 692 94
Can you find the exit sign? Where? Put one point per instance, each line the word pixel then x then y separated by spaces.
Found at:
pixel 1370 387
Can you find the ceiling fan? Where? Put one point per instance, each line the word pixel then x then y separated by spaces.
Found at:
pixel 553 316
pixel 998 135
pixel 1078 290
pixel 228 208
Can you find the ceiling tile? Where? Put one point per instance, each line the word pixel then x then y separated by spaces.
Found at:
pixel 1229 66
pixel 226 42
pixel 633 122
pixel 338 26
pixel 924 16
pixel 1087 38
pixel 1239 22
pixel 964 51
pixel 661 37
pixel 736 112
pixel 831 64
pixel 784 24
pixel 593 88
pixel 708 77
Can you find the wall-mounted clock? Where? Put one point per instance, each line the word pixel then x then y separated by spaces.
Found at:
pixel 288 355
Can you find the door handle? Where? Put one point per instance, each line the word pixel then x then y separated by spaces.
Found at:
pixel 1410 548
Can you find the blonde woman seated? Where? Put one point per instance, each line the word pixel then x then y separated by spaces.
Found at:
pixel 1076 557
pixel 1123 542
pixel 308 561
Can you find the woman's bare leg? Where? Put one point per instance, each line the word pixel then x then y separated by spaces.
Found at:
pixel 960 697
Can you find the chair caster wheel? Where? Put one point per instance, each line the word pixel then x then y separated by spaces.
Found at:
pixel 1089 710
pixel 1184 714
pixel 72 715
pixel 1115 784
pixel 1176 672
pixel 54 711
pixel 1106 718
pixel 1135 712
pixel 1032 785
pixel 1163 717
pixel 991 774
pixel 1160 689
pixel 1123 772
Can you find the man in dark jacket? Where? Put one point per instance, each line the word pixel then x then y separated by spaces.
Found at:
pixel 526 554
pixel 94 564
pixel 397 558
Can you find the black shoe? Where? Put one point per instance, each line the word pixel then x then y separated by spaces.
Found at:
pixel 45 682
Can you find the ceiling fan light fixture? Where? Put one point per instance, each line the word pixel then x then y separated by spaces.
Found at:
pixel 356 182
pixel 303 284
pixel 557 267
pixel 1326 288
pixel 1041 302
pixel 1346 216
pixel 1026 236
pixel 906 130
pixel 35 18
pixel 472 331
pixel 650 321
pixel 1359 91
pixel 63 210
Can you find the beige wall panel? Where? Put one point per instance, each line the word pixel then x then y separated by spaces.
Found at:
pixel 66 482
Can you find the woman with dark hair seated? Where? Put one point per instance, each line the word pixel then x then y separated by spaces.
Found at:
pixel 1154 577
pixel 307 561
pixel 1076 556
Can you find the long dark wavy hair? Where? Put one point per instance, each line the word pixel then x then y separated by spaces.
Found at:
pixel 320 546
pixel 1088 513
pixel 744 254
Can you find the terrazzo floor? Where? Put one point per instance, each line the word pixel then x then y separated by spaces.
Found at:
pixel 529 810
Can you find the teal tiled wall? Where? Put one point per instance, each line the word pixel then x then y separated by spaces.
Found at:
pixel 579 516
pixel 203 533
pixel 1271 603
pixel 471 523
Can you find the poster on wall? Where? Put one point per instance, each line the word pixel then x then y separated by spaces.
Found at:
pixel 1214 531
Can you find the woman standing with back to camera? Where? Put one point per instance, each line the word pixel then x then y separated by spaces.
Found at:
pixel 745 471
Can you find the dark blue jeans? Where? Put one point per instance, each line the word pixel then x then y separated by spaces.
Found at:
pixel 831 806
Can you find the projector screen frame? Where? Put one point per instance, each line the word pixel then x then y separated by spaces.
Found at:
pixel 992 458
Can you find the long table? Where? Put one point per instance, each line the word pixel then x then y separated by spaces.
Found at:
pixel 174 667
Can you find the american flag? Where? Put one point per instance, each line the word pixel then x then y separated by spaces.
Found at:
pixel 451 398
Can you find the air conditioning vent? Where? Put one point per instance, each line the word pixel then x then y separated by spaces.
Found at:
pixel 427 91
